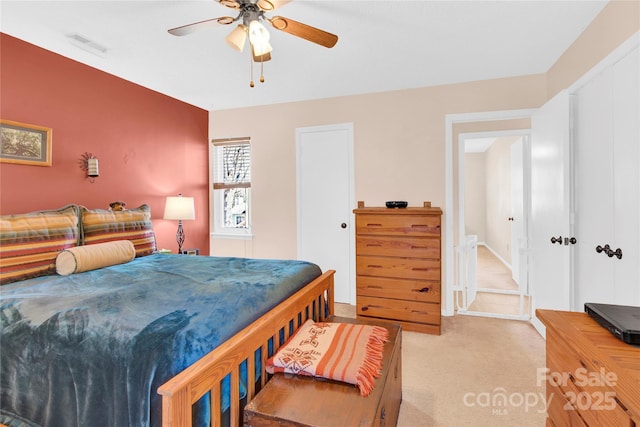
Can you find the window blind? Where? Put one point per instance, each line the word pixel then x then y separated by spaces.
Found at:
pixel 232 168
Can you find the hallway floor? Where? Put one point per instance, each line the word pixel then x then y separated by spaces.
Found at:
pixel 494 275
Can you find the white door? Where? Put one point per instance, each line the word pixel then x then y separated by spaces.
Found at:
pixel 594 196
pixel 517 218
pixel 607 191
pixel 325 203
pixel 550 206
pixel 626 178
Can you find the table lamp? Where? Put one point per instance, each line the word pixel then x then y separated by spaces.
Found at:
pixel 180 208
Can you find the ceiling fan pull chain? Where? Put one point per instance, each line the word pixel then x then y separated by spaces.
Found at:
pixel 262 69
pixel 251 67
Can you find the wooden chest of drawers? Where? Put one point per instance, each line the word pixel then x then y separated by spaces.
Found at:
pixel 398 267
pixel 593 378
pixel 296 401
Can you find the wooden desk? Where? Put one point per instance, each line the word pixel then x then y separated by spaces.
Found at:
pixel 292 400
pixel 593 378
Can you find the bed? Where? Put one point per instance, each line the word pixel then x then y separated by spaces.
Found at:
pixel 170 340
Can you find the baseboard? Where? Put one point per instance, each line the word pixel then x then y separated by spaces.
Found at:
pixel 502 260
pixel 537 324
pixel 523 317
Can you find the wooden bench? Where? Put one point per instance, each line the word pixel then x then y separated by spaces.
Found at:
pixel 292 400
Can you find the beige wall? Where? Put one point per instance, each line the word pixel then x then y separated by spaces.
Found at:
pixel 498 182
pixel 475 195
pixel 487 202
pixel 398 148
pixel 618 21
pixel 462 128
pixel 399 136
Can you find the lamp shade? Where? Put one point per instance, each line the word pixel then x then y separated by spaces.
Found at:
pixel 261 49
pixel 237 37
pixel 259 38
pixel 179 208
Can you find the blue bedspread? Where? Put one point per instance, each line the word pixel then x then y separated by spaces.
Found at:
pixel 91 349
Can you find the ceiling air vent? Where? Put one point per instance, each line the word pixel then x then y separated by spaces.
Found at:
pixel 86 44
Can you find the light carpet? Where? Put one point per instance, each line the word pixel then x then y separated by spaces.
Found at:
pixel 492 273
pixel 479 372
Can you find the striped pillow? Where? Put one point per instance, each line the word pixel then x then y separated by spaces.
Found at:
pixel 29 243
pixel 99 226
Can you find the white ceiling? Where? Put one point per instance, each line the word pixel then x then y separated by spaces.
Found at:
pixel 478 145
pixel 383 45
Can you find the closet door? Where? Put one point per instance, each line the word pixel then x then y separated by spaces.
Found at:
pixel 550 206
pixel 626 178
pixel 607 186
pixel 594 200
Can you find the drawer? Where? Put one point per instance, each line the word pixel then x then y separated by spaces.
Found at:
pixel 411 247
pixel 596 404
pixel 399 268
pixel 591 393
pixel 412 290
pixel 398 225
pixel 406 311
pixel 560 411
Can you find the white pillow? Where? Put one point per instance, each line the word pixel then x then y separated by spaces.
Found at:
pixel 91 257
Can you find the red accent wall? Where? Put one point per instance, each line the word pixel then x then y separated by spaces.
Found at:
pixel 149 145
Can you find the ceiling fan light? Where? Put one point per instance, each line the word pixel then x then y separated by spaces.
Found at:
pixel 237 37
pixel 261 49
pixel 258 34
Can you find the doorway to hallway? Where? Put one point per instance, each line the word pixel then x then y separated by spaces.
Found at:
pixel 498 293
pixel 492 225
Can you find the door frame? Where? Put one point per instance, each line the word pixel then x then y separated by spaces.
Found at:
pixel 452 119
pixel 351 274
pixel 449 215
pixel 525 134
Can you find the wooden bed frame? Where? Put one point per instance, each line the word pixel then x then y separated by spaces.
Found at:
pixel 179 394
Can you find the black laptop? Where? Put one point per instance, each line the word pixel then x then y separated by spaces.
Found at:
pixel 623 321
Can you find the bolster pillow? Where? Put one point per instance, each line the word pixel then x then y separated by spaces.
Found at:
pixel 91 257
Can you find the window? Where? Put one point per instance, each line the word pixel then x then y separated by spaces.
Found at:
pixel 232 185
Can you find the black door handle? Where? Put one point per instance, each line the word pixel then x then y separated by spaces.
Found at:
pixel 610 252
pixel 343 225
pixel 556 240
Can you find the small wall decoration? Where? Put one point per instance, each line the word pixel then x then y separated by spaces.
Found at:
pixel 89 164
pixel 25 144
pixel 117 206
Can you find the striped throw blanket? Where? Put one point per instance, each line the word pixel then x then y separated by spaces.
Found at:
pixel 339 351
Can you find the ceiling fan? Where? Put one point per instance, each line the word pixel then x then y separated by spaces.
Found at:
pixel 251 13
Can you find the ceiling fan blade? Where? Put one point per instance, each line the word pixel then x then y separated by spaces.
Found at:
pixel 190 28
pixel 304 31
pixel 232 4
pixel 269 5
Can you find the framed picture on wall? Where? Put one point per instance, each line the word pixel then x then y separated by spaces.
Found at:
pixel 25 144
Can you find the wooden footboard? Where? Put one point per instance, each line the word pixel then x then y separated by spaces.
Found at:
pixel 180 393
